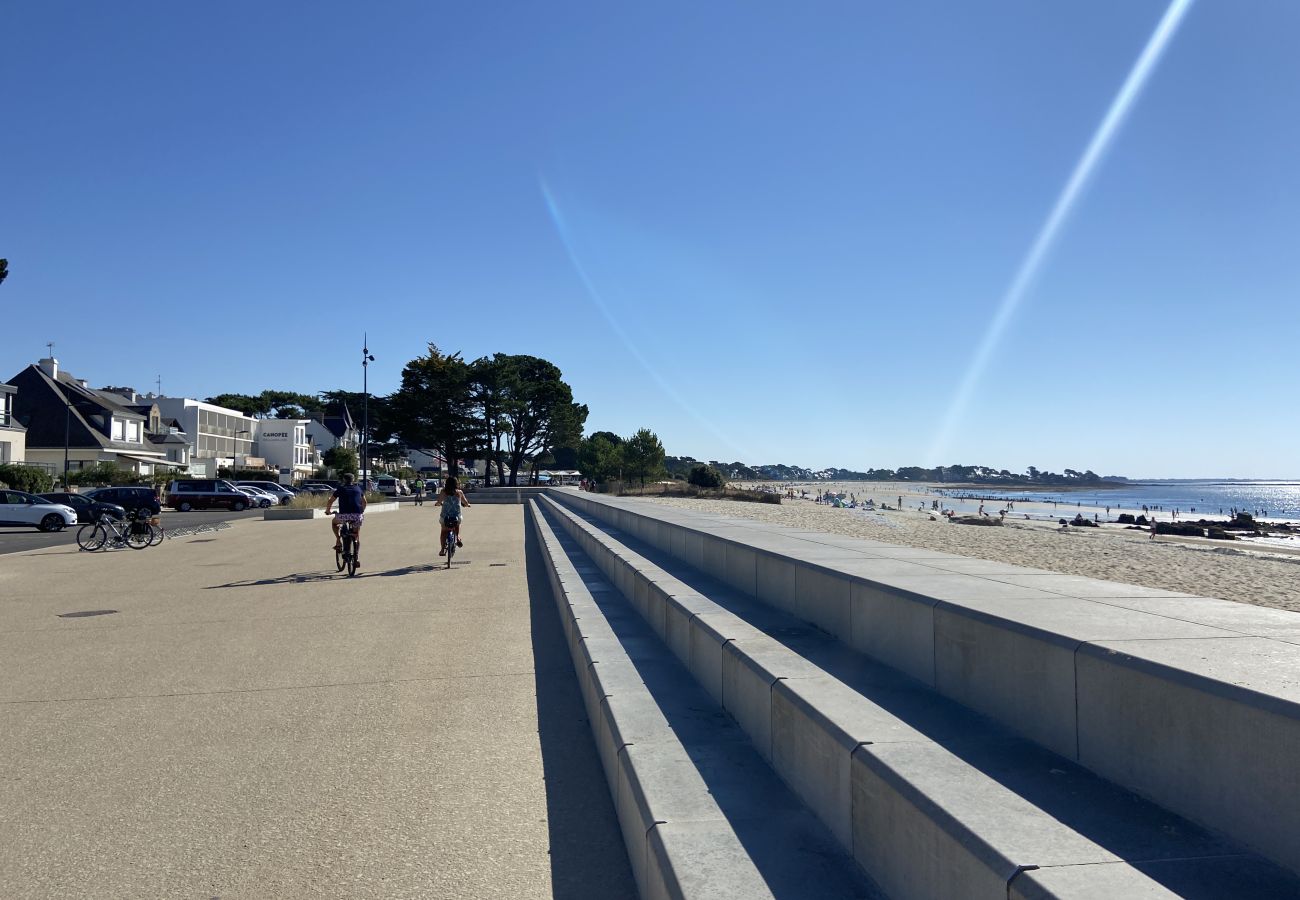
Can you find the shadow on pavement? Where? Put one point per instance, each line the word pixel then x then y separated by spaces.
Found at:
pixel 588 859
pixel 324 575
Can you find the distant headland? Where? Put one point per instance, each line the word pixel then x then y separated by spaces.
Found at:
pixel 956 474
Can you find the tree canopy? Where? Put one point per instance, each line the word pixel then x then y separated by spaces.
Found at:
pixel 435 407
pixel 272 404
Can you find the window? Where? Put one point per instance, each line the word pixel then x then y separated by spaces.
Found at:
pixel 119 430
pixel 133 432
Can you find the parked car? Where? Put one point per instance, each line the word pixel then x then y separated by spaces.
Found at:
pixel 132 499
pixel 387 485
pixel 311 487
pixel 264 497
pixel 87 510
pixel 206 493
pixel 24 510
pixel 256 497
pixel 280 492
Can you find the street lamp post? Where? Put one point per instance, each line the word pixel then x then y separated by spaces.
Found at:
pixel 366 360
pixel 67 436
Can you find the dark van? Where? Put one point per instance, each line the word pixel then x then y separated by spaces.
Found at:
pixel 132 499
pixel 205 493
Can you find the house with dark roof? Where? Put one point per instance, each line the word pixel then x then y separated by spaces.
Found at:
pixel 65 418
pixel 334 429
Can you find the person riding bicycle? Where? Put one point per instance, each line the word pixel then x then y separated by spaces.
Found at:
pixel 352 508
pixel 417 489
pixel 451 499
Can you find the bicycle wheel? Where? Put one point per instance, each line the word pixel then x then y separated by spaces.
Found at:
pixel 91 536
pixel 155 534
pixel 339 560
pixel 451 547
pixel 137 538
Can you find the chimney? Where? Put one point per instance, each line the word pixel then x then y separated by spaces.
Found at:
pixel 50 367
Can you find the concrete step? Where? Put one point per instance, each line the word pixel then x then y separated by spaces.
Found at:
pixel 1193 702
pixel 932 799
pixel 702 815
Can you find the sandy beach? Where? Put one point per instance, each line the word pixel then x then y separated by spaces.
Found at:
pixel 1262 575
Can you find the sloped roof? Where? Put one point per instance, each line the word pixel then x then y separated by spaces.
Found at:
pixel 338 419
pixel 47 407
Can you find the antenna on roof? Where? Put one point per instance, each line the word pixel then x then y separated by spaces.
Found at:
pixel 50 344
pixel 158 381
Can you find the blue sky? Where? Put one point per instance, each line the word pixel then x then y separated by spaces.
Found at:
pixel 772 232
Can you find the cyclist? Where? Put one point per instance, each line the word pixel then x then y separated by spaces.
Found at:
pixel 451 499
pixel 417 488
pixel 352 508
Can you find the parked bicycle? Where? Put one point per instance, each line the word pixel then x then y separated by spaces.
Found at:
pixel 138 531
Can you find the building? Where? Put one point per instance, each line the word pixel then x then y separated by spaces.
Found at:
pixel 426 462
pixel 67 420
pixel 13 436
pixel 335 429
pixel 217 436
pixel 284 445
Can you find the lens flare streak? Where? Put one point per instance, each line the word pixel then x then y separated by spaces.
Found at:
pixel 1047 235
pixel 566 238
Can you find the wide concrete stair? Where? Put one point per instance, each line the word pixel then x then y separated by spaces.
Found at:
pixel 702 814
pixel 960 728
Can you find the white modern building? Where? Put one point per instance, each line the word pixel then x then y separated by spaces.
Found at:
pixel 13 436
pixel 426 462
pixel 284 445
pixel 218 436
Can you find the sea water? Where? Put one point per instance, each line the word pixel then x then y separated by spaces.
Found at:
pixel 1274 499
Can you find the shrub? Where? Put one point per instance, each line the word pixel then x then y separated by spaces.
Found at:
pixel 102 473
pixel 305 500
pixel 26 478
pixel 706 477
pixel 341 459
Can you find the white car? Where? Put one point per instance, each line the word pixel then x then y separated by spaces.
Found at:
pixel 259 497
pixel 24 510
pixel 281 493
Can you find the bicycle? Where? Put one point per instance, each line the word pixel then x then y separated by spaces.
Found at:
pixel 347 557
pixel 451 545
pixel 109 531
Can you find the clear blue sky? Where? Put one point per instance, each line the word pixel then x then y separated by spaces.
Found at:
pixel 773 232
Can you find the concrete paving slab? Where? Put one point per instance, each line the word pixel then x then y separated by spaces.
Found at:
pixel 1239 618
pixel 260 726
pixel 1086 588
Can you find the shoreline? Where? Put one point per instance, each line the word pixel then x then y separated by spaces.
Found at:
pixel 962 499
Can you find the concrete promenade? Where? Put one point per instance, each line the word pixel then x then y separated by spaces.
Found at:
pixel 249 723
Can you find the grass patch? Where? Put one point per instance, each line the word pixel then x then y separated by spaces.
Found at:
pixel 690 491
pixel 304 500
